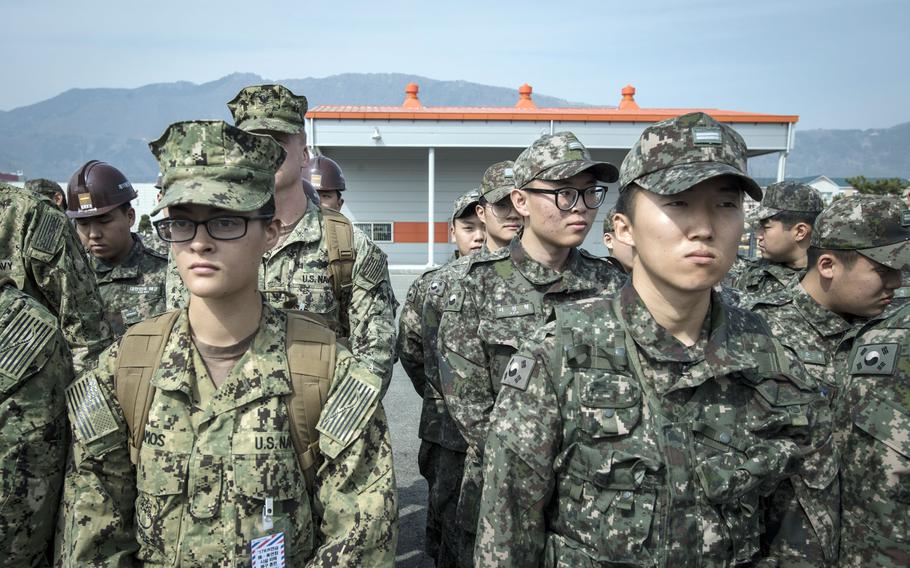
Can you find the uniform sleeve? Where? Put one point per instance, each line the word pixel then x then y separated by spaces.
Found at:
pixel 410 335
pixel 518 476
pixel 370 314
pixel 64 277
pixel 176 294
pixel 465 381
pixel 356 494
pixel 101 490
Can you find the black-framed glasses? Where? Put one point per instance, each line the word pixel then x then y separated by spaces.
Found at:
pixel 501 208
pixel 222 228
pixel 567 197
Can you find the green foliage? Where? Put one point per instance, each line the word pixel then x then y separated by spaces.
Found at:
pixel 145 225
pixel 881 186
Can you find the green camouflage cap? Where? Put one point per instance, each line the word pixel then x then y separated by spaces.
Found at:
pixel 559 156
pixel 45 187
pixel 498 181
pixel 463 202
pixel 788 196
pixel 876 226
pixel 210 162
pixel 673 155
pixel 272 108
pixel 608 220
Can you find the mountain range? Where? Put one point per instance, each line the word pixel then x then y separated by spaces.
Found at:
pixel 54 137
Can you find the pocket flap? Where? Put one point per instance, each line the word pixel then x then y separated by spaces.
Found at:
pixel 274 475
pixel 162 473
pixel 884 422
pixel 608 390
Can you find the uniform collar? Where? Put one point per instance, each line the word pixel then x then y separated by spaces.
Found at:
pixel 781 272
pixel 571 279
pixel 129 268
pixel 823 321
pixel 308 229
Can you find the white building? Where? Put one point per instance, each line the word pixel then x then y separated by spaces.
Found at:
pixel 829 188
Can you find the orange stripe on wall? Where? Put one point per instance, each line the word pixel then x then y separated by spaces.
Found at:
pixel 416 232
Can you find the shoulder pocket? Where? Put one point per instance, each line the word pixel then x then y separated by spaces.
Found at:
pixel 884 422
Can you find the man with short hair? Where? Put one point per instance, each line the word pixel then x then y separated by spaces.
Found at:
pixel 784 222
pixel 130 276
pixel 505 295
pixel 321 263
pixel 620 252
pixel 501 221
pixel 49 189
pixel 641 427
pixel 442 448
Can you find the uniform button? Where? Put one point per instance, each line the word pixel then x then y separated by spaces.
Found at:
pixel 626 495
pixel 609 412
pixel 725 437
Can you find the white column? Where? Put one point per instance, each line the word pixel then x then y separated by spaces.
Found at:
pixel 431 204
pixel 781 166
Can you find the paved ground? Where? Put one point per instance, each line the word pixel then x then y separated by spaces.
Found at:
pixel 403 408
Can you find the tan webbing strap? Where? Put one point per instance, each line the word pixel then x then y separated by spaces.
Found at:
pixel 311 360
pixel 141 350
pixel 340 243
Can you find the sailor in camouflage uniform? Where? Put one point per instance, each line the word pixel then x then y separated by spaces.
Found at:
pixel 216 467
pixel 784 222
pixel 43 256
pixel 298 271
pixel 49 189
pixel 507 294
pixel 35 368
pixel 442 448
pixel 130 276
pixel 641 428
pixel 817 318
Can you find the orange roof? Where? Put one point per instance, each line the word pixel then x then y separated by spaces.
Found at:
pixel 628 112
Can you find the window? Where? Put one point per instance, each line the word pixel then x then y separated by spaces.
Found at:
pixel 378 232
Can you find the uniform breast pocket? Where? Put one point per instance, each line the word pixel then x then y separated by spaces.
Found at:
pixel 144 306
pixel 271 491
pixel 314 292
pixel 610 403
pixel 161 481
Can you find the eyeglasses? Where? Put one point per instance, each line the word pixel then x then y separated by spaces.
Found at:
pixel 501 208
pixel 224 228
pixel 567 197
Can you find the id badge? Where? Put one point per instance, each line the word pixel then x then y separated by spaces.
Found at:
pixel 268 551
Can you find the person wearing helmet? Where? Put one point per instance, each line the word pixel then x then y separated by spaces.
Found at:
pixel 130 275
pixel 327 179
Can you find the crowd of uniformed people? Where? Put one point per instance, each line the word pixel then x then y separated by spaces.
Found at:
pixel 212 395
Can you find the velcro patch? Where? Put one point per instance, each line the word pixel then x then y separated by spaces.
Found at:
pixel 347 410
pixel 372 269
pixel 453 301
pixel 707 136
pixel 89 412
pixel 527 308
pixel 142 289
pixel 518 372
pixel 47 235
pixel 24 335
pixel 437 287
pixel 875 359
pixel 811 357
pixel 508 173
pixel 905 218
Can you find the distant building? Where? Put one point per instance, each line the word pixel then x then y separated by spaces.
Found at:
pixel 831 187
pixel 9 178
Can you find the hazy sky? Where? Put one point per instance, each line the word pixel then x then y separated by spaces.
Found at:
pixel 837 64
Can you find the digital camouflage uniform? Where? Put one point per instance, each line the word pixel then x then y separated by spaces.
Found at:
pixel 35 367
pixel 612 443
pixel 47 188
pixel 132 290
pixel 764 277
pixel 40 251
pixel 442 448
pixel 608 228
pixel 501 299
pixel 365 314
pixel 213 461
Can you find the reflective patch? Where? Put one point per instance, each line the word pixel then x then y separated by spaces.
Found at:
pixel 24 335
pixel 85 201
pixel 125 185
pixel 347 410
pixel 89 412
pixel 518 372
pixel 706 136
pixel 47 235
pixel 316 181
pixel 875 359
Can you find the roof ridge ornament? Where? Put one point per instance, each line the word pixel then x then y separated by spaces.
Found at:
pixel 524 97
pixel 628 99
pixel 410 99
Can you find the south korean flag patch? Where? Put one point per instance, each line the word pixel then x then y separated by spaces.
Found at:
pixel 518 372
pixel 875 359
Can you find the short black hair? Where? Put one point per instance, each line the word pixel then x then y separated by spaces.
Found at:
pixel 847 257
pixel 790 218
pixel 468 212
pixel 268 208
pixel 625 203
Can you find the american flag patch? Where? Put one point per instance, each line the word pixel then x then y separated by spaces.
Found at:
pixel 347 410
pixel 24 335
pixel 47 235
pixel 91 416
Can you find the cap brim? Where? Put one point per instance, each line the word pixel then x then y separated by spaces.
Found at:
pixel 603 171
pixel 497 194
pixel 460 211
pixel 263 125
pixel 222 194
pixel 895 255
pixel 761 213
pixel 677 179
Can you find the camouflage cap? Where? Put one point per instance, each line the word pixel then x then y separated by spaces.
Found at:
pixel 608 220
pixel 876 226
pixel 45 187
pixel 463 202
pixel 554 157
pixel 498 181
pixel 788 196
pixel 272 108
pixel 675 154
pixel 210 162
